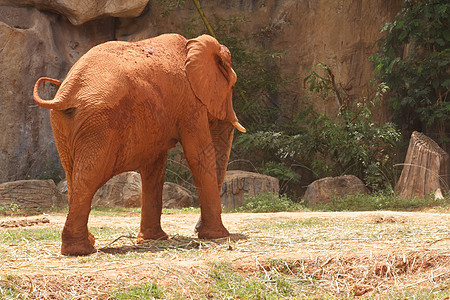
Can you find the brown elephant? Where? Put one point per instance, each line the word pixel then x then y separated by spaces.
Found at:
pixel 123 105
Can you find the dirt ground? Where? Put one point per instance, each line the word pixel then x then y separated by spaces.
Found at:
pixel 341 254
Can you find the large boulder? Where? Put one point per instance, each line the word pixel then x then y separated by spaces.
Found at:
pixel 238 184
pixel 30 194
pixel 176 196
pixel 79 12
pixel 123 190
pixel 326 189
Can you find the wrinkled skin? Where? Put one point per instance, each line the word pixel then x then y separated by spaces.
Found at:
pixel 123 105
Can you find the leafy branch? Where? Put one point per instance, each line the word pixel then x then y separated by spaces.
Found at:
pixel 413 59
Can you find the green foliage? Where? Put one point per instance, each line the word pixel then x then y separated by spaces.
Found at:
pixel 143 291
pixel 353 144
pixel 268 202
pixel 280 171
pixel 348 143
pixel 381 201
pixel 414 60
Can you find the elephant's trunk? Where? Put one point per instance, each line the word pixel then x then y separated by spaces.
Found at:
pixel 222 137
pixel 55 104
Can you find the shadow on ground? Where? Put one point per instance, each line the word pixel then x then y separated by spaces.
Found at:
pixel 177 242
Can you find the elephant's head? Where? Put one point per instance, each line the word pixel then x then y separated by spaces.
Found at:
pixel 208 68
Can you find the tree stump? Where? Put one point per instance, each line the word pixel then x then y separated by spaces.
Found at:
pixel 425 170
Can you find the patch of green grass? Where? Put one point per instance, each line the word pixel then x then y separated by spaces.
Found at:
pixel 268 202
pixel 104 232
pixel 28 234
pixel 325 232
pixel 14 209
pixel 228 284
pixel 380 201
pixel 114 210
pixel 184 210
pixel 423 294
pixel 294 224
pixel 9 210
pixel 143 291
pixel 7 287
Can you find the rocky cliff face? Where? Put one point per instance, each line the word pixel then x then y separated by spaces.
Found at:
pixel 35 43
pixel 44 38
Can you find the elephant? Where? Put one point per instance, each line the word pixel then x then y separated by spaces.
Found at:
pixel 123 105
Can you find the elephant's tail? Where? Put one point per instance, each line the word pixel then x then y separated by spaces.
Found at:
pixel 56 104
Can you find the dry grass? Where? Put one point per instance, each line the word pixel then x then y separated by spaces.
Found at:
pixel 376 273
pixel 282 255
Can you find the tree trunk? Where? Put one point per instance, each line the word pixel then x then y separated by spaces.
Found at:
pixel 425 169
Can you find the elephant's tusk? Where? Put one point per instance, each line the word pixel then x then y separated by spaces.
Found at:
pixel 239 126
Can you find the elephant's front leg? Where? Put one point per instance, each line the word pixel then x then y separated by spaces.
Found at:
pixel 200 154
pixel 152 177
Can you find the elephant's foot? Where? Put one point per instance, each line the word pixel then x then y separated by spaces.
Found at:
pixel 210 233
pixel 91 238
pixel 75 247
pixel 148 234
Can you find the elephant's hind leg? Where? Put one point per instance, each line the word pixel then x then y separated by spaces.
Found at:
pixel 76 238
pixel 152 177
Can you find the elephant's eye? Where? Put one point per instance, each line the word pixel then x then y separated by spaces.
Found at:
pixel 69 112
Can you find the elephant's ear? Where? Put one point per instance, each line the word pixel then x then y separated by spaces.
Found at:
pixel 208 68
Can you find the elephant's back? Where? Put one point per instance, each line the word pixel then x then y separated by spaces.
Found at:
pixel 165 51
pixel 154 60
pixel 113 66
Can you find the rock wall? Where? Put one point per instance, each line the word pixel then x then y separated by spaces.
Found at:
pixel 35 43
pixel 44 38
